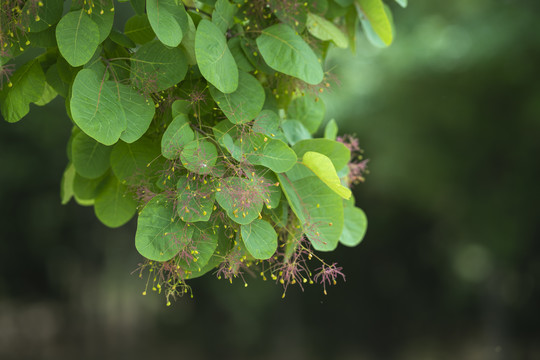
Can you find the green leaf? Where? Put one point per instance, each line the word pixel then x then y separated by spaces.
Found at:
pixel 199 156
pixel 286 52
pixel 139 30
pixel 77 36
pixel 223 14
pixel 66 185
pixel 275 155
pixel 90 158
pixel 322 166
pixel 325 30
pixel 121 39
pixel 188 42
pixel 131 162
pixel 159 235
pixel 107 110
pixel 331 130
pixel 260 239
pixel 87 189
pixel 318 208
pixel 54 80
pixel 336 151
pixel 95 108
pixel 181 107
pixel 195 200
pixel 308 110
pixel 295 131
pixel 351 23
pixel 221 250
pixel 245 103
pixel 114 206
pixel 43 39
pixel 267 123
pixel 374 12
pixel 137 109
pixel 222 128
pixel 355 226
pixel 46 16
pixel 205 241
pixel 168 20
pixel 214 58
pixel 402 3
pixel 28 86
pixel 292 14
pixel 156 67
pixel 241 200
pixel 139 6
pixel 237 52
pixel 176 136
pixel 103 15
pixel 266 184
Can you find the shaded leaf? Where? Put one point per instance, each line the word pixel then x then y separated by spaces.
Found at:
pixel 176 136
pixel 156 67
pixel 114 206
pixel 168 20
pixel 245 103
pixel 260 239
pixel 90 158
pixel 214 58
pixel 285 51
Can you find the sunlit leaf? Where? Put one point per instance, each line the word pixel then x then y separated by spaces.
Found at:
pixel 325 30
pixel 322 166
pixel 78 37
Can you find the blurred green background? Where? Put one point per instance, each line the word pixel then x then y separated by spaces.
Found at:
pixel 449 117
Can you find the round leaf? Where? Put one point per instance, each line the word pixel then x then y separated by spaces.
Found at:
pixel 308 110
pixel 275 155
pixel 355 226
pixel 260 239
pixel 78 37
pixel 199 156
pixel 95 108
pixel 195 200
pixel 90 158
pixel 114 206
pixel 159 235
pixel 130 162
pixel 156 67
pixel 176 136
pixel 168 20
pixel 138 29
pixel 240 199
pixel 245 103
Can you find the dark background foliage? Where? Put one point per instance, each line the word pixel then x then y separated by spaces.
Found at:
pixel 449 116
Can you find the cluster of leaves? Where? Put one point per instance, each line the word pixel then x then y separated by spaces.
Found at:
pixel 199 117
